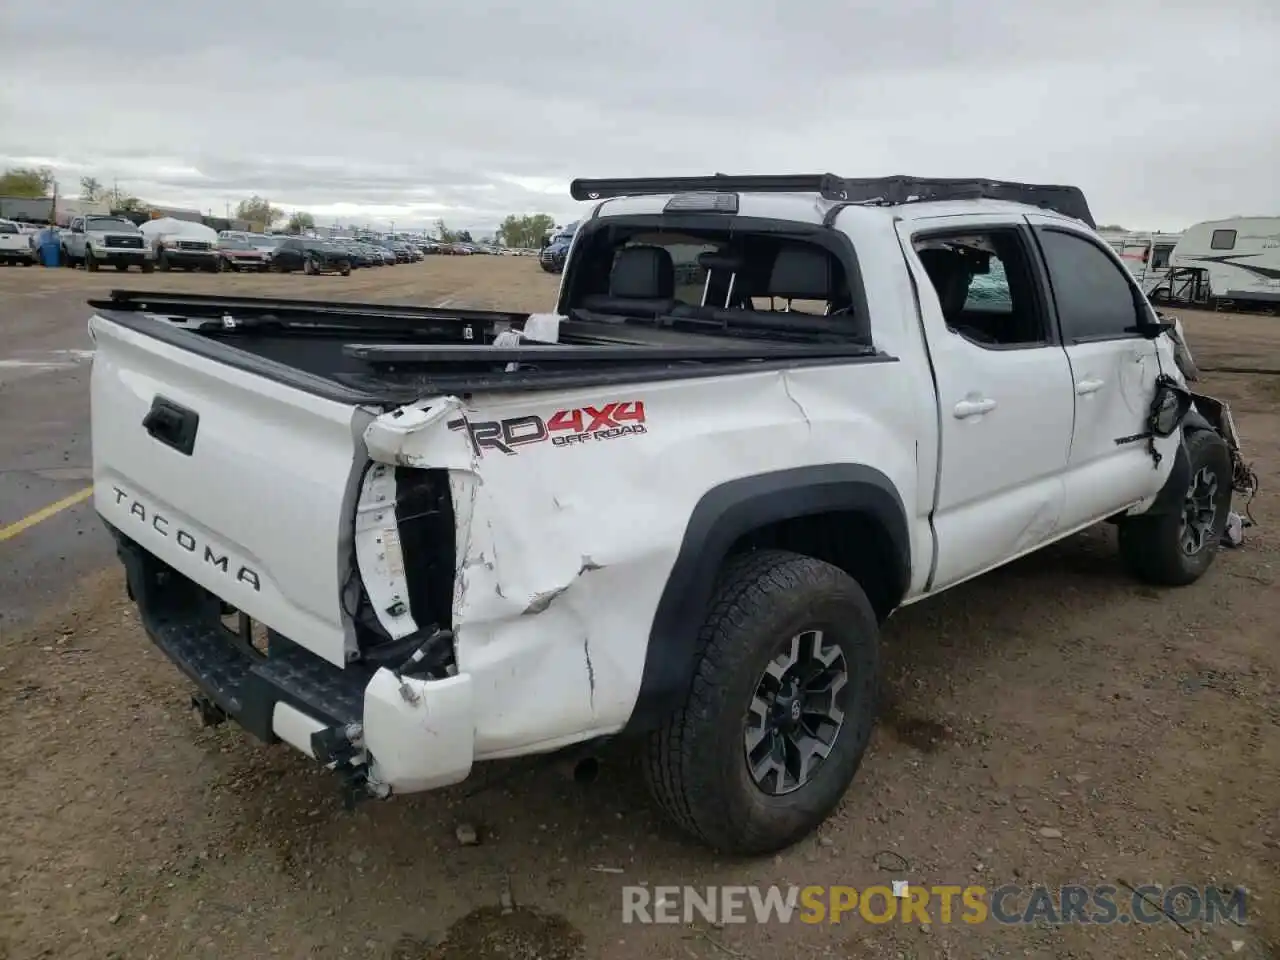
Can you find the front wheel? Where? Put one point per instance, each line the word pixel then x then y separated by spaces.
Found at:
pixel 308 266
pixel 90 261
pixel 345 270
pixel 780 709
pixel 148 266
pixel 1176 548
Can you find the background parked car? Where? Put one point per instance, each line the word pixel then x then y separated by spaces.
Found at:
pixel 310 255
pixel 15 246
pixel 182 244
pixel 238 254
pixel 98 240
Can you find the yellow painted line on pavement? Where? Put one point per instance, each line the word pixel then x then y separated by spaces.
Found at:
pixel 53 509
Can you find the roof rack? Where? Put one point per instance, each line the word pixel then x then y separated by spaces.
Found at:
pixel 1068 201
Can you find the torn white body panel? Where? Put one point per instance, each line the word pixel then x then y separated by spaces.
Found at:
pixel 565 542
pixel 419 734
pixel 378 552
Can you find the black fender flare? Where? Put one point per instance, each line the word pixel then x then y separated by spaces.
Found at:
pixel 724 515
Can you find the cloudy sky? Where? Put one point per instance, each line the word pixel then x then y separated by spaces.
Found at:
pixel 365 111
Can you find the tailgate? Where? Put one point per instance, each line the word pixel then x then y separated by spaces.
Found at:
pixel 243 484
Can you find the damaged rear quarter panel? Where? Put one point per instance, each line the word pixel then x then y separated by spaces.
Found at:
pixel 565 548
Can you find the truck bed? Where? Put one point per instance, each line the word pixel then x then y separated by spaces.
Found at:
pixel 386 353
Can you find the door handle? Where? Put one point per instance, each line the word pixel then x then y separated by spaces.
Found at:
pixel 172 424
pixel 1085 387
pixel 973 408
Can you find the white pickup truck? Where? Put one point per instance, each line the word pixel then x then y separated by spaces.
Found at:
pixel 98 241
pixel 15 245
pixel 765 415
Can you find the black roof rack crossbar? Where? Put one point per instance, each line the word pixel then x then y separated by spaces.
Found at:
pixel 822 183
pixel 1068 201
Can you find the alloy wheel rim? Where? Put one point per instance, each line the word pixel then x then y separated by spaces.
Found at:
pixel 797 711
pixel 1199 512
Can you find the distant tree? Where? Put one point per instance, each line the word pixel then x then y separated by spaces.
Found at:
pixel 525 230
pixel 444 233
pixel 258 212
pixel 1113 228
pixel 91 189
pixel 29 182
pixel 463 236
pixel 301 220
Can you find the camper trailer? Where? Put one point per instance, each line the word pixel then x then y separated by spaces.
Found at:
pixel 1225 263
pixel 1145 254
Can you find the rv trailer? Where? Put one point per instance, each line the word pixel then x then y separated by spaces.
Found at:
pixel 1145 254
pixel 1224 264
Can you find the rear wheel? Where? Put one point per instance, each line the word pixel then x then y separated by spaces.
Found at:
pixel 148 266
pixel 780 708
pixel 309 267
pixel 122 267
pixel 345 270
pixel 1176 548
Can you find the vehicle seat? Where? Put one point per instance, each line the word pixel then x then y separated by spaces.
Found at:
pixel 642 282
pixel 951 276
pixel 801 273
pixel 723 267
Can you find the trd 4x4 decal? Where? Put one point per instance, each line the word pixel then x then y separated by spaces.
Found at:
pixel 563 428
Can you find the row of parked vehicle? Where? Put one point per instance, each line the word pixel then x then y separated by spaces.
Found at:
pixel 286 254
pixel 95 242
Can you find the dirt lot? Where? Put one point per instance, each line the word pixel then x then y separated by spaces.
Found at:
pixel 1051 723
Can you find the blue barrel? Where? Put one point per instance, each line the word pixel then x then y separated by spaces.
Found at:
pixel 50 250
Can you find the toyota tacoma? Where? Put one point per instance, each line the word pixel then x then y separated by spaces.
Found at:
pixel 765 414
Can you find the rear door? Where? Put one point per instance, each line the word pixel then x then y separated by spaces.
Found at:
pixel 1113 371
pixel 1005 394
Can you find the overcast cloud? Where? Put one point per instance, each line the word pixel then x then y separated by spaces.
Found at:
pixel 1164 112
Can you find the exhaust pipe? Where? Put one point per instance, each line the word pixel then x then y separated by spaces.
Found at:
pixel 586 770
pixel 580 769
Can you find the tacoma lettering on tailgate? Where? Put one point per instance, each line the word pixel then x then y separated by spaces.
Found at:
pixel 563 428
pixel 185 539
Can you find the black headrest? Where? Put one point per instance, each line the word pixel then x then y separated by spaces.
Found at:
pixel 941 261
pixel 643 273
pixel 801 273
pixel 720 260
pixel 951 272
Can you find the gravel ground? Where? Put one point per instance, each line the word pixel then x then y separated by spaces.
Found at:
pixel 1051 723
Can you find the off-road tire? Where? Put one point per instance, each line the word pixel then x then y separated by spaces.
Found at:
pixel 696 764
pixel 1151 547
